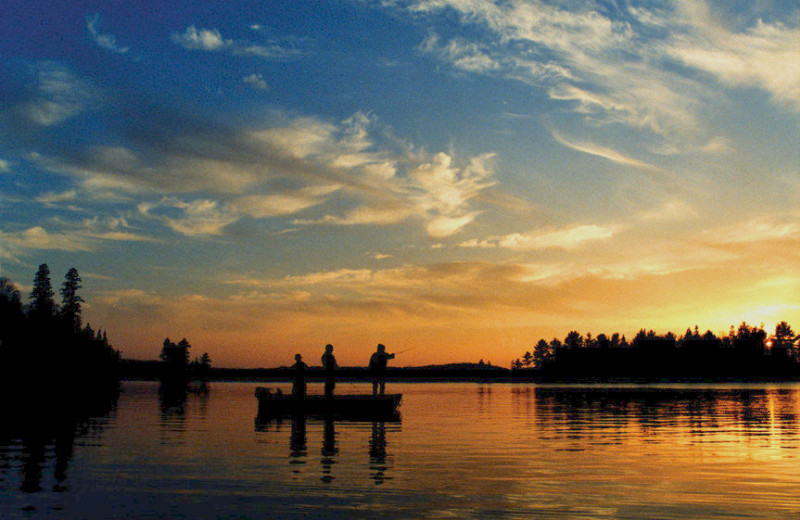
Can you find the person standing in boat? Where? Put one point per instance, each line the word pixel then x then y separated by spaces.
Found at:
pixel 377 368
pixel 330 366
pixel 299 385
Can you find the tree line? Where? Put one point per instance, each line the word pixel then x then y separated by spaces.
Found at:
pixel 745 352
pixel 175 364
pixel 45 344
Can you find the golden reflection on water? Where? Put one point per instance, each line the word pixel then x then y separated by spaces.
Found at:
pixel 460 450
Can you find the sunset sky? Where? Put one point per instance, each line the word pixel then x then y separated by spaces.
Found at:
pixel 453 178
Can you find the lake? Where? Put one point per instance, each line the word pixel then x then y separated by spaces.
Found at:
pixel 460 450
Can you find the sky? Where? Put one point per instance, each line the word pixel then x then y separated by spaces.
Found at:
pixel 454 179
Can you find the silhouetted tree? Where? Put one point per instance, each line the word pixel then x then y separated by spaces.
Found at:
pixel 9 296
pixel 176 360
pixel 783 341
pixel 541 353
pixel 11 315
pixel 201 366
pixel 42 307
pixel 574 340
pixel 527 359
pixel 71 301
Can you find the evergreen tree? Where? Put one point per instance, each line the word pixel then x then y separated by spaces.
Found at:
pixel 574 340
pixel 9 294
pixel 11 316
pixel 70 301
pixel 42 304
pixel 783 341
pixel 541 353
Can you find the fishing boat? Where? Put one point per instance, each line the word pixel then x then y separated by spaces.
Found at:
pixel 361 406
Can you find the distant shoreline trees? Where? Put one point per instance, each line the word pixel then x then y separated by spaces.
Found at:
pixel 45 344
pixel 745 352
pixel 176 367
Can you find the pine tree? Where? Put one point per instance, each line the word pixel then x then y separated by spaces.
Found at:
pixel 70 301
pixel 42 305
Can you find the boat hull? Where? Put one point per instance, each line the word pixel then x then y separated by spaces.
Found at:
pixel 366 407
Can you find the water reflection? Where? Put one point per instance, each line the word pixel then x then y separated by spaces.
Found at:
pixel 377 453
pixel 608 415
pixel 172 407
pixel 297 442
pixel 379 462
pixel 329 450
pixel 172 402
pixel 40 432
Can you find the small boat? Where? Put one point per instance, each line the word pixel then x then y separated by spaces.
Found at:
pixel 361 406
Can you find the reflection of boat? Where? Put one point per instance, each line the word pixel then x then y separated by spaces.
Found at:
pixel 369 407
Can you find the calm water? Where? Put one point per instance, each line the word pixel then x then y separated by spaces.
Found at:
pixel 460 451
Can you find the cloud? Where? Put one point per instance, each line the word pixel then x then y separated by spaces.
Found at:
pixel 211 40
pixel 569 239
pixel 285 166
pixel 5 166
pixel 761 55
pixel 201 39
pixel 38 238
pixel 617 65
pixel 51 198
pixel 288 203
pixel 759 229
pixel 87 236
pixel 106 41
pixel 606 153
pixel 57 95
pixel 256 81
pixel 196 218
pixel 669 211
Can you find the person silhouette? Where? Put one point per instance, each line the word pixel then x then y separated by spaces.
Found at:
pixel 377 368
pixel 330 366
pixel 299 385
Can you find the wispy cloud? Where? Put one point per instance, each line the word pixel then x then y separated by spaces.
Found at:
pixel 57 95
pixel 616 66
pixel 211 40
pixel 570 238
pixel 760 229
pixel 606 153
pixel 294 164
pixel 5 166
pixel 287 203
pixel 86 235
pixel 106 41
pixel 50 198
pixel 200 217
pixel 763 55
pixel 669 211
pixel 38 238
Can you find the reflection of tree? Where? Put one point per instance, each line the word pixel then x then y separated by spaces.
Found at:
pixel 49 437
pixel 172 404
pixel 608 415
